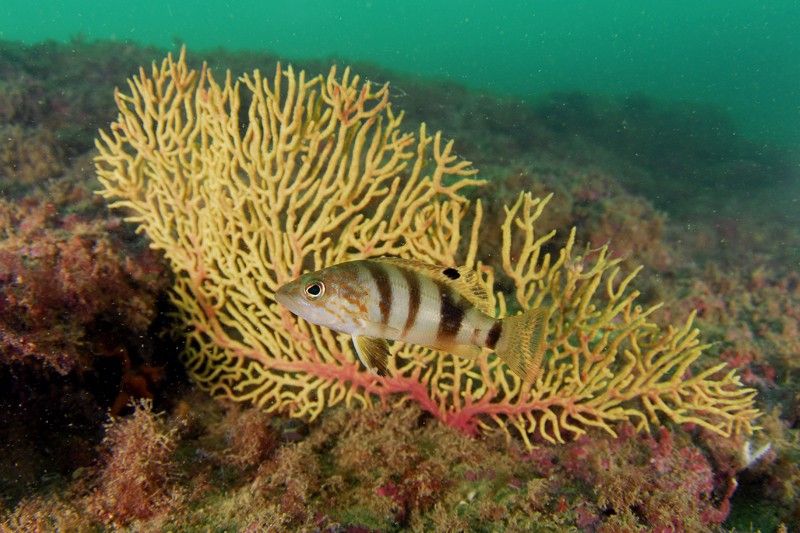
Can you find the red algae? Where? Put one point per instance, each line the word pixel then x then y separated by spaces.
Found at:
pixel 58 283
pixel 136 481
pixel 389 468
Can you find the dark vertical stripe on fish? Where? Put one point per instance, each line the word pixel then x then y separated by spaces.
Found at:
pixel 412 280
pixel 450 314
pixel 494 334
pixel 381 277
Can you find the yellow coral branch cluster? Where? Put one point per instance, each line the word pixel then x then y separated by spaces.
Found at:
pixel 247 183
pixel 606 362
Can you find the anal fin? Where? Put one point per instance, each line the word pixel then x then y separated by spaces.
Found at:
pixel 373 352
pixel 468 351
pixel 465 350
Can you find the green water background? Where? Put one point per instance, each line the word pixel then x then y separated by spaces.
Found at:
pixel 742 56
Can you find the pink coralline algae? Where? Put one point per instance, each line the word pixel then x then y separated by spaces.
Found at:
pixel 639 480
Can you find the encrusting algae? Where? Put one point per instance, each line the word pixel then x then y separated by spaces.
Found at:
pixel 249 183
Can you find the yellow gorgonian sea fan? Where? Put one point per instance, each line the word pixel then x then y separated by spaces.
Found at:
pixel 247 183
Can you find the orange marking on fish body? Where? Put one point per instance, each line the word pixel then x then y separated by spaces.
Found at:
pixel 351 295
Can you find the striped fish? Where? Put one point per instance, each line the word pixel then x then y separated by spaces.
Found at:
pixel 444 308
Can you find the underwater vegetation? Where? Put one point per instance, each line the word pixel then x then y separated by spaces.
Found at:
pixel 634 424
pixel 78 294
pixel 319 173
pixel 64 275
pixel 214 465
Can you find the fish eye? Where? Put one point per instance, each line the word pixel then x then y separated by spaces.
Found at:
pixel 315 290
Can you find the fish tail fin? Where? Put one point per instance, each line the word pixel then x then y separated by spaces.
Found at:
pixel 522 342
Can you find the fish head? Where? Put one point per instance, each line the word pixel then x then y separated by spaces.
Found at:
pixel 327 297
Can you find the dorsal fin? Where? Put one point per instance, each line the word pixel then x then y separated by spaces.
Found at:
pixel 464 281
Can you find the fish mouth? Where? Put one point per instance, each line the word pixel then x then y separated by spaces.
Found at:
pixel 287 296
pixel 282 296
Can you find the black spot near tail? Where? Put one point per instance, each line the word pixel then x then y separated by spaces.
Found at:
pixel 451 273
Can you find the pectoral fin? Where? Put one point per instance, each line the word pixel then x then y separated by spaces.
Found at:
pixel 373 353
